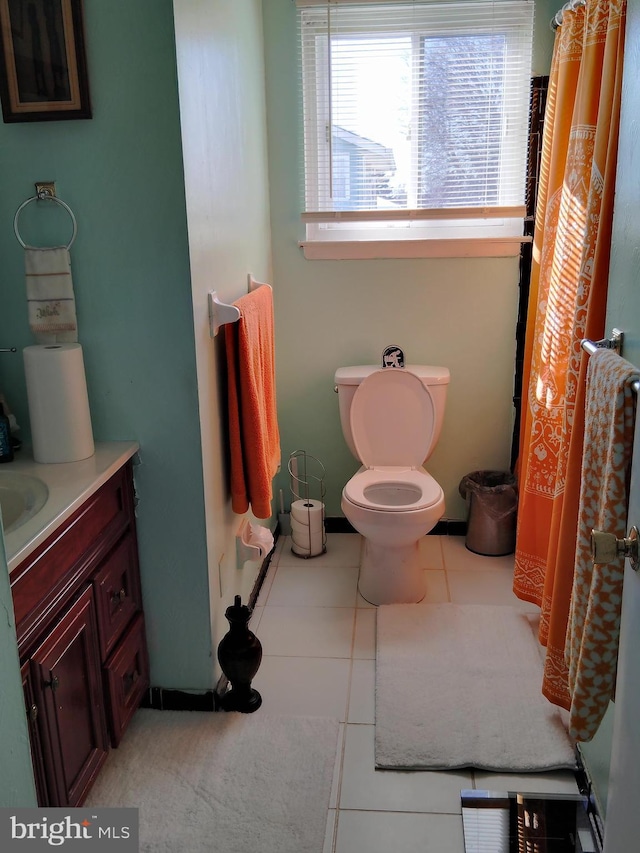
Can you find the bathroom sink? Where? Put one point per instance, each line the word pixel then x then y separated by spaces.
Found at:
pixel 21 497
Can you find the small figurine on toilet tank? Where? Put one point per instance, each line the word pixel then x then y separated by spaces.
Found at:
pixel 392 357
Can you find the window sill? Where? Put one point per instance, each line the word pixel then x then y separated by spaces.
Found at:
pixel 343 250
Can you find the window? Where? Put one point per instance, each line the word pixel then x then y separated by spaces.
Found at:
pixel 415 117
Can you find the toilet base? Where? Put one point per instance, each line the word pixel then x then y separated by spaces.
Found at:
pixel 391 575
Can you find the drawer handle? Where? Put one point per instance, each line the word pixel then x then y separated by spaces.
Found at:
pixel 118 597
pixel 33 713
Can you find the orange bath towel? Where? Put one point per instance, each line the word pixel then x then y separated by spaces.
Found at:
pixel 254 437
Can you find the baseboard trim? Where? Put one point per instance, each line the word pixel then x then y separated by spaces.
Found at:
pixel 445 527
pixel 586 788
pixel 162 699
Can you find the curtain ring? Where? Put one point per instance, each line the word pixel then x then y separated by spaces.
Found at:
pixel 44 197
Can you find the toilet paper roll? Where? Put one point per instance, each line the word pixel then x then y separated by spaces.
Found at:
pixel 260 537
pixel 307 527
pixel 58 403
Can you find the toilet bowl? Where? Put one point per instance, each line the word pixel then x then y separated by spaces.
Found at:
pixel 394 418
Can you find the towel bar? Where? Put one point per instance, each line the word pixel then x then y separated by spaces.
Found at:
pixel 221 313
pixel 614 343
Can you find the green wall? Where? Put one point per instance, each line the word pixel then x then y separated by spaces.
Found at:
pixel 16 778
pixel 121 173
pixel 623 303
pixel 458 312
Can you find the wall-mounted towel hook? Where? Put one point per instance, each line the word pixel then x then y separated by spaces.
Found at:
pixel 220 313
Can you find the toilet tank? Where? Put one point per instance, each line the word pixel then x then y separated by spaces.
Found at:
pixel 347 379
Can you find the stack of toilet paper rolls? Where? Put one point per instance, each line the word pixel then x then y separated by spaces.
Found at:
pixel 307 527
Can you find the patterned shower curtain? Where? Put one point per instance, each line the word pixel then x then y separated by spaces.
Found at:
pixel 567 302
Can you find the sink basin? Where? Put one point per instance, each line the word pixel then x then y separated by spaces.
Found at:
pixel 21 497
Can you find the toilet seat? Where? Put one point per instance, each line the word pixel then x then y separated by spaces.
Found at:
pixel 392 419
pixel 393 489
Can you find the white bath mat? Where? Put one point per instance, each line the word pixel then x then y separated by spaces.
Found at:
pixel 223 783
pixel 459 686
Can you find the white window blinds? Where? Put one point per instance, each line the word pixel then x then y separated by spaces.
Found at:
pixel 415 115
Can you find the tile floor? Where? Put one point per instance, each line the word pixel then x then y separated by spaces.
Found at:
pixel 318 638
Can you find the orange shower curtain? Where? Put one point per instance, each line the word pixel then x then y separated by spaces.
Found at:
pixel 567 302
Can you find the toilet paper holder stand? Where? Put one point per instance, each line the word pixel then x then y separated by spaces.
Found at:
pixel 307 485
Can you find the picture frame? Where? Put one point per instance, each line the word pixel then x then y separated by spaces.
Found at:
pixel 43 70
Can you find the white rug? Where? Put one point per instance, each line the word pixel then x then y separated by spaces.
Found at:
pixel 459 686
pixel 223 782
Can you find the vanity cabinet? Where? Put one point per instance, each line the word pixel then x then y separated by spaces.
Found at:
pixel 81 641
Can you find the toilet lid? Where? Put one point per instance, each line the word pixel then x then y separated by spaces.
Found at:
pixel 392 419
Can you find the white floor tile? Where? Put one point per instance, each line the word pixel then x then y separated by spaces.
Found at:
pixel 364 787
pixel 319 645
pixel 458 557
pixel 377 832
pixel 437 589
pixel 267 584
pixel 314 586
pixel 343 549
pixel 490 587
pixel 321 632
pixel 364 644
pixel 278 550
pixel 316 687
pixel 431 552
pixel 556 782
pixel 362 602
pixel 337 769
pixel 362 704
pixel 330 832
pixel 256 616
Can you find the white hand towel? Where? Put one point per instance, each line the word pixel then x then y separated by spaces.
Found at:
pixel 50 298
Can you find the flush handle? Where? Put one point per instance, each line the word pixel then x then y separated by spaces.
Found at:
pixel 605 547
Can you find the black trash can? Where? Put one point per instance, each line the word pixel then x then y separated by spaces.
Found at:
pixel 492 498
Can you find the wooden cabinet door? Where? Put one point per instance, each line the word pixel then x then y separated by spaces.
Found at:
pixel 67 685
pixel 37 755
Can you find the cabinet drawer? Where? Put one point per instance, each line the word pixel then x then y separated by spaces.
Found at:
pixel 46 579
pixel 127 674
pixel 117 593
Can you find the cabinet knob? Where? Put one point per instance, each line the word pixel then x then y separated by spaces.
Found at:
pixel 119 597
pixel 130 680
pixel 605 547
pixel 33 713
pixel 53 684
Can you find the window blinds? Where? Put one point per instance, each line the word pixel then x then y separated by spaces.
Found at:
pixel 414 110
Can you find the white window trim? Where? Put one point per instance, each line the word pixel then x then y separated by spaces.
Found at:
pixel 345 250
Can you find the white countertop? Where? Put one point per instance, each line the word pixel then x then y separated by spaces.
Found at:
pixel 69 484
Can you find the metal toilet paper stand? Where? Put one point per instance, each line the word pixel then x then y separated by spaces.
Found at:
pixel 307 484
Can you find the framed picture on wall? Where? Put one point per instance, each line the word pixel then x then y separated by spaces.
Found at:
pixel 43 71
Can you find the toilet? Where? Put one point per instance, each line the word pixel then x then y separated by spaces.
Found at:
pixel 391 420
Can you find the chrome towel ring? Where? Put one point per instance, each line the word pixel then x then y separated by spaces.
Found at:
pixel 43 195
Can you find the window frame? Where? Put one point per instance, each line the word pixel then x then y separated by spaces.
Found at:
pixel 446 232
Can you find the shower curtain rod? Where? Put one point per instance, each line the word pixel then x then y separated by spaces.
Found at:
pixel 556 21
